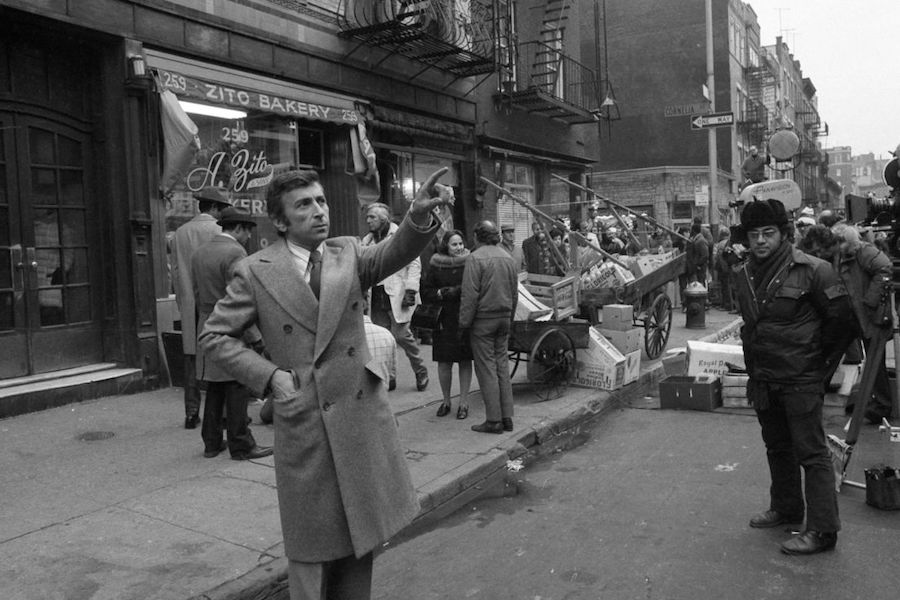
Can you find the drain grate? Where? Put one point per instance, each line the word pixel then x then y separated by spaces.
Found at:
pixel 94 436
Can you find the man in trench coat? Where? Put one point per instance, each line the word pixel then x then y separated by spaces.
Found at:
pixel 343 484
pixel 188 238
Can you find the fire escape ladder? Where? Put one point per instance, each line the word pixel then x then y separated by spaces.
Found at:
pixel 547 71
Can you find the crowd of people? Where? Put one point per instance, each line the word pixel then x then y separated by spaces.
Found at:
pixel 311 323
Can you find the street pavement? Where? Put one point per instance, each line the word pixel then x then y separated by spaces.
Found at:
pixel 113 499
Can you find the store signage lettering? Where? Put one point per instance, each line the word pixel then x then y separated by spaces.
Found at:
pixel 189 87
pixel 247 172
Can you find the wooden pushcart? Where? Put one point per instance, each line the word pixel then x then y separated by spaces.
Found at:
pixel 652 306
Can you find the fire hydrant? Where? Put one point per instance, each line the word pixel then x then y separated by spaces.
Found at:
pixel 695 296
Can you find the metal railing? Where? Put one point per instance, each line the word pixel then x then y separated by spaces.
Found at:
pixel 453 35
pixel 547 70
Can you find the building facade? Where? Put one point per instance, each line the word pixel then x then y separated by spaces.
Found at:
pixel 100 159
pixel 840 169
pixel 658 159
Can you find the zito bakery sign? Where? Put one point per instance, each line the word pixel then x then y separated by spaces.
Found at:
pixel 217 93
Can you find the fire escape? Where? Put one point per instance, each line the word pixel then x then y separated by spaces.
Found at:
pixel 540 78
pixel 454 36
pixel 755 122
pixel 469 38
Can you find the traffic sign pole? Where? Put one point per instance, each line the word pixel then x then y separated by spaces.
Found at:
pixel 711 83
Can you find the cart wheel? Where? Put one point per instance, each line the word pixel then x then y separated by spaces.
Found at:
pixel 657 325
pixel 515 358
pixel 552 362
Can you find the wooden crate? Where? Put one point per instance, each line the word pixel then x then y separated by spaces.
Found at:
pixel 734 391
pixel 559 293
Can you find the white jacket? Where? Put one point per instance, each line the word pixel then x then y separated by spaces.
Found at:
pixel 396 285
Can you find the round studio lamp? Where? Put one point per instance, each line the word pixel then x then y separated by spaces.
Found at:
pixel 784 145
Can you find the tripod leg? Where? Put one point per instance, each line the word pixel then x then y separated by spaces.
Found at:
pixel 874 358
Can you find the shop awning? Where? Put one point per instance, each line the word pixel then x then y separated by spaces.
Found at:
pixel 212 84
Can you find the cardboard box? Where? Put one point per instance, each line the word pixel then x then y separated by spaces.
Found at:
pixel 632 367
pixel 691 393
pixel 608 275
pixel 618 317
pixel 734 391
pixel 705 358
pixel 651 262
pixel 599 366
pixel 626 341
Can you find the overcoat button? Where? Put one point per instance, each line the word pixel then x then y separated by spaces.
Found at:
pixel 351 351
pixel 326 407
pixel 287 329
pixel 359 395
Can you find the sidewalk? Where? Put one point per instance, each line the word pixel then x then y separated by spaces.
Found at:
pixel 112 499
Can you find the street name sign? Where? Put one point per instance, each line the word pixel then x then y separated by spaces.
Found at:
pixel 684 110
pixel 723 119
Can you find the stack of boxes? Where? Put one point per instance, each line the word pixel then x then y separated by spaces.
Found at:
pixel 618 327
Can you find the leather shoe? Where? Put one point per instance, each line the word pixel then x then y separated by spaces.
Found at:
pixel 191 421
pixel 810 542
pixel 422 381
pixel 507 424
pixel 488 427
pixel 772 518
pixel 444 409
pixel 214 452
pixel 254 452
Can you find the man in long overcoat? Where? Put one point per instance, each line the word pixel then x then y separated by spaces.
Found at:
pixel 212 267
pixel 343 484
pixel 188 238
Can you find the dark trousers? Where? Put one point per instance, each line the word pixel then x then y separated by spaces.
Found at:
pixel 191 386
pixel 490 340
pixel 347 578
pixel 231 398
pixel 794 438
pixel 725 289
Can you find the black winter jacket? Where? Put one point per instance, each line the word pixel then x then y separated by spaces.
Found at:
pixel 802 329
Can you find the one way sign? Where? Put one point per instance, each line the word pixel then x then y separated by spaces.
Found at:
pixel 723 119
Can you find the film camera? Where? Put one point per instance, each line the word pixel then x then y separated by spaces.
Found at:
pixel 881 214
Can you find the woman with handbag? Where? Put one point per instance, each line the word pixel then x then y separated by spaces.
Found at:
pixel 442 288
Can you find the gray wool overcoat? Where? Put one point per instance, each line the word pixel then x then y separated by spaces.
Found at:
pixel 343 484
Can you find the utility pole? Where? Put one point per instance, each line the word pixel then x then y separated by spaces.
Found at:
pixel 711 86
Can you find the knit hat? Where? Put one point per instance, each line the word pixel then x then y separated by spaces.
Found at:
pixel 763 213
pixel 804 220
pixel 807 211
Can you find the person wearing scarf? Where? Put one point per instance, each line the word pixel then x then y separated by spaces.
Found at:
pixel 797 324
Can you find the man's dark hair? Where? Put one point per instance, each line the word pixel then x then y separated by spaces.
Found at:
pixel 444 244
pixel 818 235
pixel 282 184
pixel 695 228
pixel 487 233
pixel 207 205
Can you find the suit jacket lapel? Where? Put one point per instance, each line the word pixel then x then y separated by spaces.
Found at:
pixel 278 273
pixel 335 287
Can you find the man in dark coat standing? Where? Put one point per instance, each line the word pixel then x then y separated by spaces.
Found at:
pixel 212 266
pixel 190 236
pixel 797 324
pixel 490 291
pixel 344 487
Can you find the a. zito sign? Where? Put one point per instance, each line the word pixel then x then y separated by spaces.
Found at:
pixel 242 172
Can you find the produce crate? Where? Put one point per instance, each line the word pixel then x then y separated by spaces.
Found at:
pixel 703 392
pixel 559 293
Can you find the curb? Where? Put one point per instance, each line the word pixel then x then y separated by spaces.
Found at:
pixel 484 476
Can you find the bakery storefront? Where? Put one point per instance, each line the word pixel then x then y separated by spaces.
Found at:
pixel 249 128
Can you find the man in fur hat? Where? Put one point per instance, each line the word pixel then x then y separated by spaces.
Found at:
pixel 797 323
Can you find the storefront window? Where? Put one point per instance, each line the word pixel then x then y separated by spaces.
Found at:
pixel 518 179
pixel 239 154
pixel 406 171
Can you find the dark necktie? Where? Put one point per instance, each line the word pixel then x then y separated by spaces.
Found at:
pixel 315 271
